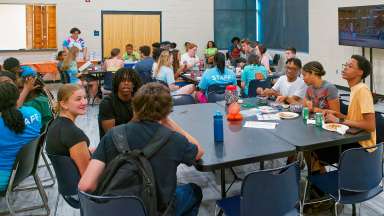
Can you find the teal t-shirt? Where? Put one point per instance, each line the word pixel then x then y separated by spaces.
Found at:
pixel 213 76
pixel 249 74
pixel 11 142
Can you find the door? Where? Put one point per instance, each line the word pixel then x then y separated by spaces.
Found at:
pixel 136 28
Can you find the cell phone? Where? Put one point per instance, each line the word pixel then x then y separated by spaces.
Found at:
pixel 354 131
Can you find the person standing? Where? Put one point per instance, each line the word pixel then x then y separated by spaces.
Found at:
pixel 76 41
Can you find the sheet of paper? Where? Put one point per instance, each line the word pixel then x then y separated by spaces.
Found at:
pixel 261 125
pixel 249 112
pixel 267 117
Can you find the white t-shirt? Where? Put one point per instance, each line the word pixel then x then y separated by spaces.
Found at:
pixel 295 88
pixel 191 61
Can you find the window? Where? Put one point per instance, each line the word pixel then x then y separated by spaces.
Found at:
pixel 31 26
pixel 284 23
pixel 234 18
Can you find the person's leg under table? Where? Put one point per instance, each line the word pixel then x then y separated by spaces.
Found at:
pixel 188 199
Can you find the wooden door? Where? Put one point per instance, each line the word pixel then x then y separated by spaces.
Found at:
pixel 124 28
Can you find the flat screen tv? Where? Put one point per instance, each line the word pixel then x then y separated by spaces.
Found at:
pixel 362 26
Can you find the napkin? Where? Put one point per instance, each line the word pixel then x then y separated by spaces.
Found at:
pixel 261 125
pixel 341 130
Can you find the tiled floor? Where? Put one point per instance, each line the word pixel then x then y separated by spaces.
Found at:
pixel 208 181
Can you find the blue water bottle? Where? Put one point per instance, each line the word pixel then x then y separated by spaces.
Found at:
pixel 218 127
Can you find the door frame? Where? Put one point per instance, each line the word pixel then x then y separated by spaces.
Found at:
pixel 106 12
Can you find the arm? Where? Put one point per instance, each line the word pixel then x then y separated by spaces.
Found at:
pixel 29 85
pixel 333 105
pixel 90 178
pixel 368 123
pixel 81 156
pixel 293 100
pixel 85 53
pixel 242 84
pixel 175 127
pixel 107 124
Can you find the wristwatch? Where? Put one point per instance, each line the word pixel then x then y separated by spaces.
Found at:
pixel 341 120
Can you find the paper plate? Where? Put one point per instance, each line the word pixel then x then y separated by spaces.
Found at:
pixel 335 126
pixel 287 115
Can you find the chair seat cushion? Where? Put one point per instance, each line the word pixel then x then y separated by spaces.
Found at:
pixel 230 205
pixel 328 183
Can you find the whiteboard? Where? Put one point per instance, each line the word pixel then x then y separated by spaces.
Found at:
pixel 13 34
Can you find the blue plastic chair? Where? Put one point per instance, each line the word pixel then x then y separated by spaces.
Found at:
pixel 112 206
pixel 379 127
pixel 254 84
pixel 108 80
pixel 183 100
pixel 273 192
pixel 357 179
pixel 68 178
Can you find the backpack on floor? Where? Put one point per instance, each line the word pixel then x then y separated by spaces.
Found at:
pixel 130 173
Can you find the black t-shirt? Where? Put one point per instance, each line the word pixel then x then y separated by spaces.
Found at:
pixel 62 135
pixel 164 162
pixel 111 107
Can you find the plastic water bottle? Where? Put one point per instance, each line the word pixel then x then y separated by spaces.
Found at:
pixel 218 127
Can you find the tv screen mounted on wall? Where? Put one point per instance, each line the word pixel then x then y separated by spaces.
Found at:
pixel 362 26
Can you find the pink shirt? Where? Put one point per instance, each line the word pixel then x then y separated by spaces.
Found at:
pixel 113 64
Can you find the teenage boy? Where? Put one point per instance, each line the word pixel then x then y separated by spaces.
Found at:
pixel 151 106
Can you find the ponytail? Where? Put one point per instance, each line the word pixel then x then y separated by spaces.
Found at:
pixel 13 118
pixel 219 60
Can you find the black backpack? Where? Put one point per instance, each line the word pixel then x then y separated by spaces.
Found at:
pixel 130 173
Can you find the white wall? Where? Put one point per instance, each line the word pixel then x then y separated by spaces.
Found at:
pixel 181 21
pixel 193 20
pixel 17 38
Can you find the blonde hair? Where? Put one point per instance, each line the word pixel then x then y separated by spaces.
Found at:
pixel 191 46
pixel 164 60
pixel 70 58
pixel 64 93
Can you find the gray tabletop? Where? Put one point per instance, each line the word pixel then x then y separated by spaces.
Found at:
pixel 308 137
pixel 241 145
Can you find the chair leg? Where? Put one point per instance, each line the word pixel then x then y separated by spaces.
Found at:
pixel 353 209
pixel 50 172
pixel 336 208
pixel 42 193
pixel 7 200
pixel 304 196
pixel 57 202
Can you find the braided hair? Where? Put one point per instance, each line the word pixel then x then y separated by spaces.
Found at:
pixel 13 118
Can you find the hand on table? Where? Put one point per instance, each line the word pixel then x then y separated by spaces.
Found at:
pixel 330 118
pixel 281 99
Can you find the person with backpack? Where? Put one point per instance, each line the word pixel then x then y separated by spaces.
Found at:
pixel 141 157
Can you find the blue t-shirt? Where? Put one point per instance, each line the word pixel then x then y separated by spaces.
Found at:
pixel 144 69
pixel 11 143
pixel 72 72
pixel 249 74
pixel 213 76
pixel 166 74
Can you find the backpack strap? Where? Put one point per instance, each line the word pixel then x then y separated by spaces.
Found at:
pixel 119 138
pixel 157 142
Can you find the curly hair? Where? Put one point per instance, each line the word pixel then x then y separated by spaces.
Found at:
pixel 152 102
pixel 12 117
pixel 126 74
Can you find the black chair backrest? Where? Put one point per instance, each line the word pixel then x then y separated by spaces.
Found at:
pixel 254 84
pixel 68 177
pixel 276 59
pixel 27 160
pixel 182 100
pixel 343 107
pixel 379 127
pixel 108 81
pixel 360 170
pixel 271 192
pixel 217 88
pixel 111 206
